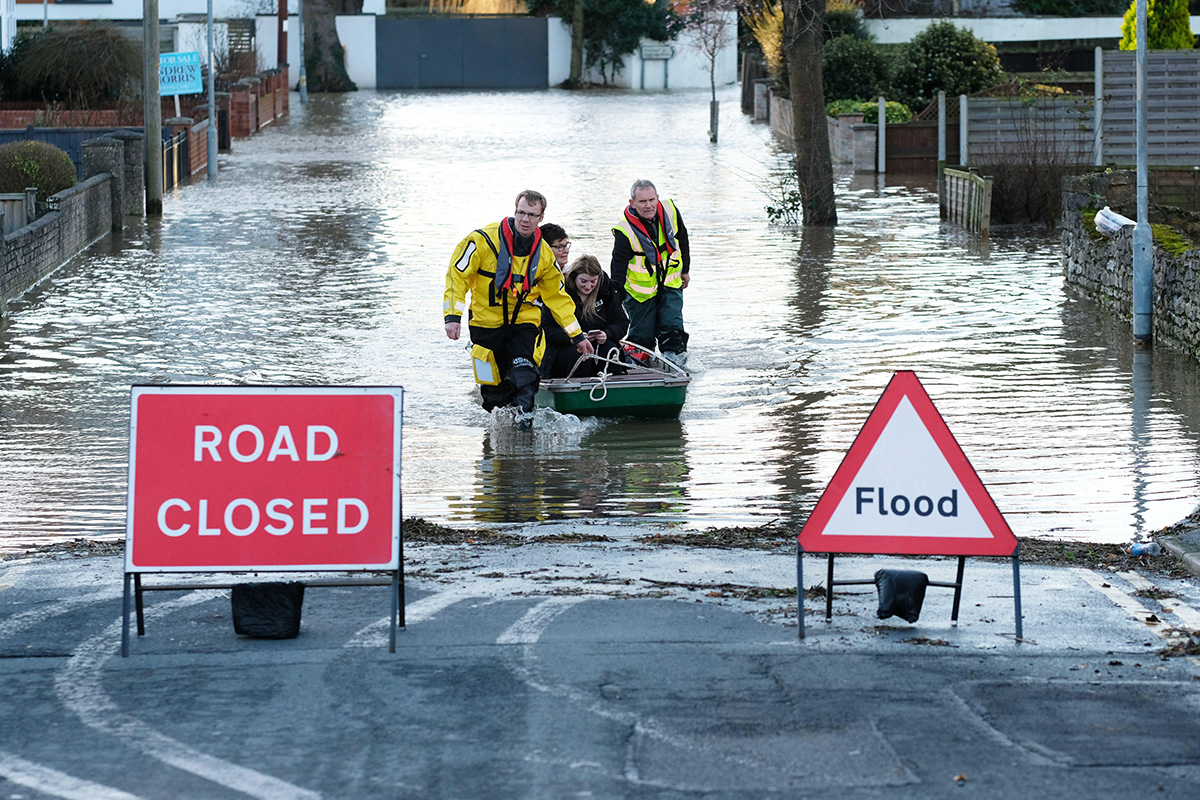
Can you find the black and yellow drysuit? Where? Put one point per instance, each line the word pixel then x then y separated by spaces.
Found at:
pixel 492 264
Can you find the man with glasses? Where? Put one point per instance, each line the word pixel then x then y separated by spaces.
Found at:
pixel 650 261
pixel 509 271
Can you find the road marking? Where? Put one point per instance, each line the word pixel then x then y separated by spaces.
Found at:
pixel 377 634
pixel 55 783
pixel 1121 599
pixel 1186 615
pixel 78 685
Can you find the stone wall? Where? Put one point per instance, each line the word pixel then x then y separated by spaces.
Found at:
pixel 1101 267
pixel 78 217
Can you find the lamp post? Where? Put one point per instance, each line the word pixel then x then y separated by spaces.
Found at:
pixel 300 33
pixel 212 100
pixel 1143 241
pixel 151 109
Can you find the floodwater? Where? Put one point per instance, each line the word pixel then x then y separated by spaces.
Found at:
pixel 319 258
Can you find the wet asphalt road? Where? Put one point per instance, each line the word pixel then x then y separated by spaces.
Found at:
pixel 602 670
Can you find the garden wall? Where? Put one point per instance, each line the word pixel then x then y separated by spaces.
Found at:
pixel 78 217
pixel 1101 267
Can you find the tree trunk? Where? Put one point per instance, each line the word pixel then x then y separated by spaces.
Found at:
pixel 324 56
pixel 576 78
pixel 814 167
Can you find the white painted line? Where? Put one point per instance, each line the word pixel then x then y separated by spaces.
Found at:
pixel 79 686
pixel 529 628
pixel 1121 600
pixel 54 783
pixel 377 634
pixel 36 616
pixel 1187 616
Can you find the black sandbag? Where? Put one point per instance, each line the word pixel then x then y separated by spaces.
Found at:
pixel 268 610
pixel 901 593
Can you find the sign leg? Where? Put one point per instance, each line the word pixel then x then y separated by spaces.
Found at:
pixel 958 582
pixel 800 587
pixel 829 592
pixel 137 597
pixel 1017 592
pixel 125 619
pixel 396 583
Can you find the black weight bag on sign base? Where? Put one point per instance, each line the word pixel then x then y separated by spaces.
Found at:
pixel 901 593
pixel 268 610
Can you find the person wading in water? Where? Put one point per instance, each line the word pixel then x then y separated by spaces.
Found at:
pixel 510 273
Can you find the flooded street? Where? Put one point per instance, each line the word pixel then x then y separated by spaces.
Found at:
pixel 319 257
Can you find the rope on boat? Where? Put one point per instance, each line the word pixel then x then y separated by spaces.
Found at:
pixel 603 376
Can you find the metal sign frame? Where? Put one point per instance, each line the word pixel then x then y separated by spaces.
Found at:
pixel 393 566
pixel 905 391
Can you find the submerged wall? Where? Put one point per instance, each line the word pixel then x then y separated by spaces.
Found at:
pixel 1101 267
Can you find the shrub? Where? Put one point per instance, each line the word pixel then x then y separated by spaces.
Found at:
pixel 765 21
pixel 28 163
pixel 843 18
pixel 1167 22
pixel 944 57
pixel 853 68
pixel 79 66
pixel 893 112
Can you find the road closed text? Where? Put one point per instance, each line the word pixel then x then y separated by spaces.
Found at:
pixel 278 517
pixel 264 477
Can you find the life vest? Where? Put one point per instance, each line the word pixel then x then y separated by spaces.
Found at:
pixel 656 261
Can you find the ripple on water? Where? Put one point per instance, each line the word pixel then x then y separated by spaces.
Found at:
pixel 319 258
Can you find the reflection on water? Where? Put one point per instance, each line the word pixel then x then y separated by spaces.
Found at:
pixel 319 258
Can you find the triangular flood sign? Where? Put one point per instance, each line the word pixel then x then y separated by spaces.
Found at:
pixel 906 487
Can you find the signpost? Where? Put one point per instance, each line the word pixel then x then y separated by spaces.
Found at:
pixel 657 52
pixel 179 73
pixel 906 487
pixel 261 479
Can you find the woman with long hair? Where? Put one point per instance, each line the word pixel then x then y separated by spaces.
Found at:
pixel 598 309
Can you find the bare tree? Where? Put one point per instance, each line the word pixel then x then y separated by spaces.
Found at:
pixel 814 167
pixel 709 33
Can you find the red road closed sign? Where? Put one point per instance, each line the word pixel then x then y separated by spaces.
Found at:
pixel 259 478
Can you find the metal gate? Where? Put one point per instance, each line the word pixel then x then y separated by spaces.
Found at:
pixel 461 53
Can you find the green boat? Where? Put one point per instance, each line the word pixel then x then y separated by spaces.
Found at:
pixel 654 388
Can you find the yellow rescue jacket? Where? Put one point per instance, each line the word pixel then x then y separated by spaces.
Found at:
pixel 665 264
pixel 473 271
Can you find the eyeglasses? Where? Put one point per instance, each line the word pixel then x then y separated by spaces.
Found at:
pixel 564 246
pixel 527 214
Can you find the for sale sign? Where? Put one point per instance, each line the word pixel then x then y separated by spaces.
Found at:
pixel 264 478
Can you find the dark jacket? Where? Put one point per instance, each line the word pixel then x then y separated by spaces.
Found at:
pixel 610 318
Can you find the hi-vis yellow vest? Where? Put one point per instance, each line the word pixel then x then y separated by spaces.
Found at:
pixel 473 270
pixel 641 279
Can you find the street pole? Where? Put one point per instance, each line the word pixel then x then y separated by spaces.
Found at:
pixel 151 109
pixel 212 100
pixel 1143 242
pixel 300 33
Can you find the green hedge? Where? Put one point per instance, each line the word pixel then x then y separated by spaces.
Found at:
pixel 28 164
pixel 893 112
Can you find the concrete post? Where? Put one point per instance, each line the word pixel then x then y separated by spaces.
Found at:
pixel 134 201
pixel 882 166
pixel 106 155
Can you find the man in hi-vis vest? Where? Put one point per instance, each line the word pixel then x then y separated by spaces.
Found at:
pixel 510 273
pixel 650 261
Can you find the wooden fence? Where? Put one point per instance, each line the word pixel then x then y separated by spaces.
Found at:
pixel 967 200
pixel 1048 130
pixel 1063 129
pixel 1172 107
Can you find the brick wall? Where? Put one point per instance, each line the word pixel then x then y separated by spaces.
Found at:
pixel 28 255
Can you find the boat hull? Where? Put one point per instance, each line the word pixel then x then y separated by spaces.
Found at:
pixel 589 397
